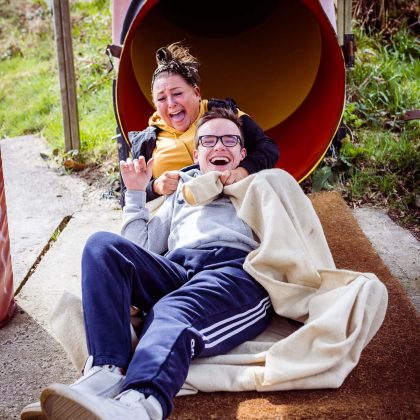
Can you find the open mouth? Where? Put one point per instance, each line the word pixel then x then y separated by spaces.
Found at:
pixel 219 160
pixel 177 116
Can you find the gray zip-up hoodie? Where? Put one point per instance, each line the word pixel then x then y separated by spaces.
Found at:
pixel 178 225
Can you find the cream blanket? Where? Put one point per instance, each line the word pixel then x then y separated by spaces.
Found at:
pixel 341 310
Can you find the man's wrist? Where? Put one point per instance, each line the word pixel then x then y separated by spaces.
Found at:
pixel 137 189
pixel 135 197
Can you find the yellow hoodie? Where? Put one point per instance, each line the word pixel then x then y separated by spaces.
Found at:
pixel 174 149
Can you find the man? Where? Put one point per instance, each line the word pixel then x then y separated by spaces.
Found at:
pixel 197 300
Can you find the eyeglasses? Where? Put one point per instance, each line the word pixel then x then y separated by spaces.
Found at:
pixel 228 140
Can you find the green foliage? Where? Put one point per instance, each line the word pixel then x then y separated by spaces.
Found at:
pixel 379 161
pixel 29 85
pixel 25 96
pixel 350 116
pixel 385 79
pixel 387 164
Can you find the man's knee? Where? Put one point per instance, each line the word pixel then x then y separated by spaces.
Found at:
pixel 99 244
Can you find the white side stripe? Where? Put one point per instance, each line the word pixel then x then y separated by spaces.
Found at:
pixel 228 320
pixel 241 321
pixel 225 337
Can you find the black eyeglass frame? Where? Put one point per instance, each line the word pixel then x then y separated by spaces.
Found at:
pixel 220 138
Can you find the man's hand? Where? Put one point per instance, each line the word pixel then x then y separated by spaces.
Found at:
pixel 136 174
pixel 234 175
pixel 166 184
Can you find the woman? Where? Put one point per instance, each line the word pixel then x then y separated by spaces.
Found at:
pixel 170 135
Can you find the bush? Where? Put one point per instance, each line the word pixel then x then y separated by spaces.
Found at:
pixel 378 163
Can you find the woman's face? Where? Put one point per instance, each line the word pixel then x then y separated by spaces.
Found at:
pixel 176 101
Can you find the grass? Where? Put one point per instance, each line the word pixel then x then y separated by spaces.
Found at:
pixel 28 67
pixel 18 115
pixel 385 79
pixel 378 162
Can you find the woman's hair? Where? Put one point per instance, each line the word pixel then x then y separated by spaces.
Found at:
pixel 225 113
pixel 176 59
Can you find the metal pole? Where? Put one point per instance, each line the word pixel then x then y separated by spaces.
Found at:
pixel 62 26
pixel 7 303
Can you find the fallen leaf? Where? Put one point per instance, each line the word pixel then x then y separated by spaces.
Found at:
pixel 71 164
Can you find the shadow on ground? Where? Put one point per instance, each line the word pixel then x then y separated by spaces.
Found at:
pixel 32 353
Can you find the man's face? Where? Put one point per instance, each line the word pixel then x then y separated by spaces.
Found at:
pixel 219 157
pixel 177 102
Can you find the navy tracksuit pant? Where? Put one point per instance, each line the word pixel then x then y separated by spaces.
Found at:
pixel 199 303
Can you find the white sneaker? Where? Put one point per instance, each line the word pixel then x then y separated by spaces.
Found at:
pixel 104 381
pixel 60 402
pixel 32 412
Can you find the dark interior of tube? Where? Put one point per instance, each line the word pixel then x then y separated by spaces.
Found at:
pixel 279 60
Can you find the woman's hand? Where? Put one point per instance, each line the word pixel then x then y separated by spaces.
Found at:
pixel 167 183
pixel 234 175
pixel 136 173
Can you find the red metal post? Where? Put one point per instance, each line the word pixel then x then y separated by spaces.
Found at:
pixel 7 303
pixel 119 10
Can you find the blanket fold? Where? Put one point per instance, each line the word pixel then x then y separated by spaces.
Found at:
pixel 340 310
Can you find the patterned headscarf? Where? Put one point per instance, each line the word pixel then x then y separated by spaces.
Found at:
pixel 168 63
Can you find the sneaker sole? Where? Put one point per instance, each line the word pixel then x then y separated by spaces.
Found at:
pixel 59 402
pixel 32 413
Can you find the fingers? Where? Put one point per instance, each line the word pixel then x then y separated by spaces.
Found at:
pixel 167 183
pixel 229 177
pixel 137 165
pixel 171 174
pixel 136 173
pixel 167 186
pixel 224 177
pixel 150 163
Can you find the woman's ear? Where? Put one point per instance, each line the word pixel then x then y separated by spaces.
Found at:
pixel 243 153
pixel 195 155
pixel 197 91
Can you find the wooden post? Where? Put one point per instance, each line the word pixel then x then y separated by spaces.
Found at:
pixel 62 26
pixel 345 36
pixel 344 15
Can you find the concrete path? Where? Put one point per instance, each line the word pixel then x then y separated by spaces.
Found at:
pixel 397 247
pixel 38 199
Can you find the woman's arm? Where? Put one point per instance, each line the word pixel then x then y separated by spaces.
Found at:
pixel 142 144
pixel 262 151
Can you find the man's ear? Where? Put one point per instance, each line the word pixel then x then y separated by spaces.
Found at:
pixel 195 154
pixel 243 153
